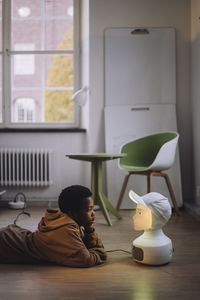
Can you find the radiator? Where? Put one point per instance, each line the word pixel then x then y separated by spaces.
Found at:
pixel 25 167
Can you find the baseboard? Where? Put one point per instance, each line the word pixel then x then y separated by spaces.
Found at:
pixel 32 203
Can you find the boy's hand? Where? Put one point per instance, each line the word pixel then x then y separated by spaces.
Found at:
pixel 89 228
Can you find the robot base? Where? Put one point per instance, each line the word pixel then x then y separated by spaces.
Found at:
pixel 153 247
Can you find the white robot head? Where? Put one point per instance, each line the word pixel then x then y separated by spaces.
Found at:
pixel 152 212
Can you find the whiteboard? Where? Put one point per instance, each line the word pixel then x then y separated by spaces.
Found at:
pixel 127 122
pixel 140 68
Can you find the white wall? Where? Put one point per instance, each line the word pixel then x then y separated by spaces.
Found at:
pixel 101 15
pixel 65 171
pixel 141 13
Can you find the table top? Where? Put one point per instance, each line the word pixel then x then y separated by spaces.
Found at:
pixel 96 156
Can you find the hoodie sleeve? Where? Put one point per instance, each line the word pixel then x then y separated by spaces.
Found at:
pixel 94 245
pixel 74 251
pixel 88 251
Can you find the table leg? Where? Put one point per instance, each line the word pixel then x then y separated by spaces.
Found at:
pixel 98 195
pixel 110 207
pixel 94 186
pixel 104 209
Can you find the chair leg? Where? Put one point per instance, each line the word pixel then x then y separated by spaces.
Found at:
pixel 149 182
pixel 122 191
pixel 171 193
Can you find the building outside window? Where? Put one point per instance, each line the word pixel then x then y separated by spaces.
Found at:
pixel 40 63
pixel 24 110
pixel 24 64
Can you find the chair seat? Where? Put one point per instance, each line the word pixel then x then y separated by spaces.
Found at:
pixel 135 168
pixel 149 155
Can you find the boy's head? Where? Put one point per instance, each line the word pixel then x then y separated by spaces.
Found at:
pixel 76 201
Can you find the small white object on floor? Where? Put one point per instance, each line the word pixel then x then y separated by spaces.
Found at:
pixel 16 205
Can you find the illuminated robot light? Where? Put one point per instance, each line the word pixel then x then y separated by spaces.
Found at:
pixel 153 211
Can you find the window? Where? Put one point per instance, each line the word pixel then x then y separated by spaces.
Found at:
pixel 39 51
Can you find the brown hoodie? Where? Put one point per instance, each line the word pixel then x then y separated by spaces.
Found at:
pixel 58 240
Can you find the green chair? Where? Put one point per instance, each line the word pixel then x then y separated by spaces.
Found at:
pixel 149 155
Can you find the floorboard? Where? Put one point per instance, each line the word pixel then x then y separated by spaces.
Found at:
pixel 120 278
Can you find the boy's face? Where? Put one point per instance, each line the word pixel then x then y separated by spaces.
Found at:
pixel 85 216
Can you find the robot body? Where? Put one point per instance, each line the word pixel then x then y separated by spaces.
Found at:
pixel 152 248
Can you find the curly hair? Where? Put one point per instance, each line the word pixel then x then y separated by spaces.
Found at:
pixel 71 198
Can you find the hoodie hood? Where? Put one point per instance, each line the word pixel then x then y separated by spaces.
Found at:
pixel 54 219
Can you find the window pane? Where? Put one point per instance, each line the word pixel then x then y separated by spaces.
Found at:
pixel 63 40
pixel 24 110
pixel 58 106
pixel 24 64
pixel 46 24
pixel 59 70
pixel 41 70
pixel 65 8
pixel 59 20
pixel 48 79
pixel 26 32
pixel 26 71
pixel 25 103
pixel 23 9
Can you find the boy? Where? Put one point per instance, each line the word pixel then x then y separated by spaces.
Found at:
pixel 65 237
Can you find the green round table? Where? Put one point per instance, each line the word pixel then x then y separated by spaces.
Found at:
pixel 99 197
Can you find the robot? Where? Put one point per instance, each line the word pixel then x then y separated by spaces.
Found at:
pixel 153 211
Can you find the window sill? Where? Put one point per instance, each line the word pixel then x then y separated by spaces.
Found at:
pixel 42 130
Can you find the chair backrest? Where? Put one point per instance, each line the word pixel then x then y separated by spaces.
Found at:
pixel 155 152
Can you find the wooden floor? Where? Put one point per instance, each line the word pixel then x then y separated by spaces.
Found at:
pixel 119 278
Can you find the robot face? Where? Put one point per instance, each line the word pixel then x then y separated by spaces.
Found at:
pixel 142 220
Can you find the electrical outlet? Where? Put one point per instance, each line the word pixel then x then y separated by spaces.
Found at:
pixel 198 190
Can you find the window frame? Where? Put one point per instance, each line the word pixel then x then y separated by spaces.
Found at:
pixel 6 71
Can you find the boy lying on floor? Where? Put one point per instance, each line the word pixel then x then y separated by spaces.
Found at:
pixel 65 237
